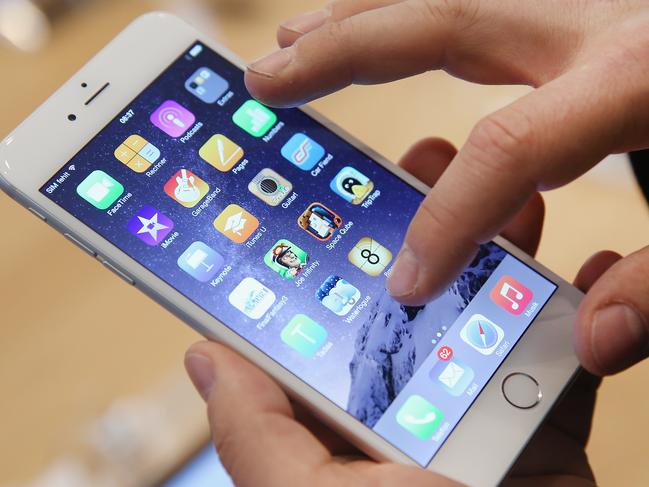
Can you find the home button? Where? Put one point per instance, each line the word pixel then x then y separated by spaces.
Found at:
pixel 521 390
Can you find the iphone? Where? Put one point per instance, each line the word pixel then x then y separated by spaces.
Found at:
pixel 273 231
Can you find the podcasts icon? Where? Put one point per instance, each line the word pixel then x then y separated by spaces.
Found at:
pixel 172 118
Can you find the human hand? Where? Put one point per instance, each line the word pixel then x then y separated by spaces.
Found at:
pixel 263 439
pixel 588 63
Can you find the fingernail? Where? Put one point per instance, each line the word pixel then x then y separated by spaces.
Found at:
pixel 272 64
pixel 201 372
pixel 619 337
pixel 403 278
pixel 307 22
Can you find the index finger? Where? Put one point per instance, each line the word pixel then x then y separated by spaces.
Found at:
pixel 541 141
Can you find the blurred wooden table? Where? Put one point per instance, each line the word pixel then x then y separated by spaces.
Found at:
pixel 73 337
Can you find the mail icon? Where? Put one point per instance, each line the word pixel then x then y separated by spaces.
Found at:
pixel 455 378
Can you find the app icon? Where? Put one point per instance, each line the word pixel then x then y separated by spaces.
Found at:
pixel 337 295
pixel 206 85
pixel 319 221
pixel 511 295
pixel 220 152
pixel 419 417
pixel 303 151
pixel 454 377
pixel 137 154
pixel 236 223
pixel 252 298
pixel 370 256
pixel 201 261
pixel 270 187
pixel 150 225
pixel 351 185
pixel 186 188
pixel 286 258
pixel 482 334
pixel 100 190
pixel 173 119
pixel 304 335
pixel 254 118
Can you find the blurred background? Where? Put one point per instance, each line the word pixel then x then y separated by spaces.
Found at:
pixel 93 391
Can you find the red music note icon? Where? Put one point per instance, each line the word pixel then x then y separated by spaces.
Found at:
pixel 511 295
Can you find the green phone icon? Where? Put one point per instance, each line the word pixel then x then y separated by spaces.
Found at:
pixel 419 417
pixel 100 190
pixel 254 118
pixel 304 335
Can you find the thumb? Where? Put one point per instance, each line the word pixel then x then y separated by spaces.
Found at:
pixel 258 440
pixel 612 330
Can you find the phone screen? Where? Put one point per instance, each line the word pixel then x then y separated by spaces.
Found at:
pixel 286 233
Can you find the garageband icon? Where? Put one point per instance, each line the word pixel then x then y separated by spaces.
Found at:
pixel 186 188
pixel 172 118
pixel 511 295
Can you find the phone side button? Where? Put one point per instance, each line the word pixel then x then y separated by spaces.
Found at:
pixel 38 214
pixel 82 246
pixel 117 272
pixel 521 390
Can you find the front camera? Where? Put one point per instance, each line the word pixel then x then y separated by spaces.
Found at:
pixel 72 117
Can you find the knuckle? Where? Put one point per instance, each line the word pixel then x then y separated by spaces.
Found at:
pixel 498 140
pixel 449 10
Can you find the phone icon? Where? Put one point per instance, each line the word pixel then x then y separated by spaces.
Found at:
pixel 319 221
pixel 100 190
pixel 370 256
pixel 511 295
pixel 482 334
pixel 303 151
pixel 220 152
pixel 186 188
pixel 351 185
pixel 137 153
pixel 206 85
pixel 419 417
pixel 172 118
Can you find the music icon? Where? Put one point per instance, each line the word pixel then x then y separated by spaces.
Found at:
pixel 511 295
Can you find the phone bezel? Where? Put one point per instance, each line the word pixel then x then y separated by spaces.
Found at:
pixel 130 62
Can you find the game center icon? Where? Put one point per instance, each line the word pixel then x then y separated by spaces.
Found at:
pixel 286 258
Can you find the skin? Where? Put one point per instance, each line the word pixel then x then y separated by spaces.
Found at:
pixel 588 63
pixel 265 439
